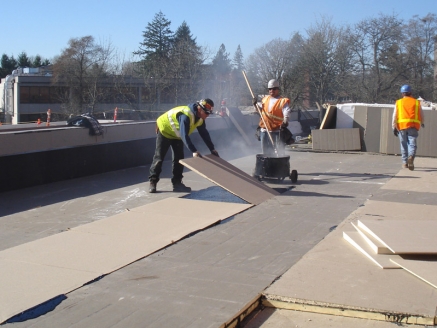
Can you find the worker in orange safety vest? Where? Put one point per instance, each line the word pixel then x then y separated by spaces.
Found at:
pixel 406 123
pixel 276 113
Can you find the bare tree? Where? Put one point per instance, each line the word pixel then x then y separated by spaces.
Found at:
pixel 373 40
pixel 82 67
pixel 420 41
pixel 278 59
pixel 327 58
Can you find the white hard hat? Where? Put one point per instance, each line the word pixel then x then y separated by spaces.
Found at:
pixel 273 84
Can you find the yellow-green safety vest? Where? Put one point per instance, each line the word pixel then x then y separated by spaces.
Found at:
pixel 168 123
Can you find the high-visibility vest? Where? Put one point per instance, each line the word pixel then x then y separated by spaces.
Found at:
pixel 408 113
pixel 168 123
pixel 275 117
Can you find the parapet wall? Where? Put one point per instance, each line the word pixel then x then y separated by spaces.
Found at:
pixel 38 156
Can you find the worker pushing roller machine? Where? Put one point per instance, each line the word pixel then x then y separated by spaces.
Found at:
pixel 275 113
pixel 173 129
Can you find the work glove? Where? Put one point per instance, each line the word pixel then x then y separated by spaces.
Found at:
pixel 197 154
pixel 422 125
pixel 215 152
pixel 284 124
pixel 255 101
pixel 395 132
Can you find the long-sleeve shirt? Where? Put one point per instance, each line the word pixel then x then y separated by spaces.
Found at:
pixel 184 126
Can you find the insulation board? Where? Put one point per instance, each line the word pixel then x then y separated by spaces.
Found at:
pixel 332 276
pixel 336 139
pixel 37 271
pixel 403 236
pixel 383 261
pixel 230 178
pixel 376 246
pixel 423 269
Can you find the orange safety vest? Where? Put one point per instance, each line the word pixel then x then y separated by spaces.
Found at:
pixel 408 113
pixel 274 118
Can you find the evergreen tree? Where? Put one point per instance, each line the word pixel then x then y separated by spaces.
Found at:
pixel 237 62
pixel 221 63
pixel 37 61
pixel 154 52
pixel 158 39
pixel 186 64
pixel 23 60
pixel 8 64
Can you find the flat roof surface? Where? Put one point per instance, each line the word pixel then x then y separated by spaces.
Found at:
pixel 205 279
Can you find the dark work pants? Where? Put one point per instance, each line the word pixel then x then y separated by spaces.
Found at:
pixel 162 146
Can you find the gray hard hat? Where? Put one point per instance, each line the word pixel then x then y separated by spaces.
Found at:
pixel 273 84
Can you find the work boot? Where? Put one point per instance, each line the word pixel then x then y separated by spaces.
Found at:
pixel 404 165
pixel 152 187
pixel 180 187
pixel 411 163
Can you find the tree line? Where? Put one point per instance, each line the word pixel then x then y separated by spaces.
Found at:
pixel 366 62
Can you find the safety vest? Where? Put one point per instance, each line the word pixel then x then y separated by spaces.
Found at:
pixel 275 117
pixel 408 113
pixel 168 123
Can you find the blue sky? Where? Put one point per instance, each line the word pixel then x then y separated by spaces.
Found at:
pixel 44 27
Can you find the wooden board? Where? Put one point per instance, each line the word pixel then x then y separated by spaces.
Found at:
pixel 329 115
pixel 376 246
pixel 422 269
pixel 230 178
pixel 403 236
pixel 383 261
pixel 37 271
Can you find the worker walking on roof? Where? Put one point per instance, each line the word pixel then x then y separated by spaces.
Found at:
pixel 406 123
pixel 173 129
pixel 276 113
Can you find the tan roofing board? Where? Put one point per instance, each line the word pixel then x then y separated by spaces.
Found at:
pixel 331 274
pixel 423 269
pixel 356 240
pixel 336 139
pixel 230 178
pixel 24 285
pixel 422 179
pixel 55 265
pixel 403 236
pixel 395 210
pixel 376 246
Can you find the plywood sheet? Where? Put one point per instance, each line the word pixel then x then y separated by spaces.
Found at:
pixel 376 246
pixel 403 236
pixel 383 261
pixel 35 272
pixel 423 269
pixel 230 178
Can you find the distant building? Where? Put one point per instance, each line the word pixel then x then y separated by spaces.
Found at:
pixel 28 93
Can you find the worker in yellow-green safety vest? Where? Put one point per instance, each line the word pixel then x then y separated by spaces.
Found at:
pixel 406 123
pixel 173 129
